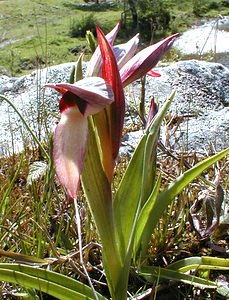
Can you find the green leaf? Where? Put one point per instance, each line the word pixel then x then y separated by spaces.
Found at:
pixel 142 228
pixel 136 185
pixel 204 262
pixel 77 70
pixel 54 284
pixel 173 189
pixel 127 198
pixel 91 40
pixel 98 192
pixel 188 264
pixel 151 272
pixel 96 187
pixel 26 259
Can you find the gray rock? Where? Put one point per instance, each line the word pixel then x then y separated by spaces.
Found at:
pixel 202 93
pixel 35 103
pixel 201 103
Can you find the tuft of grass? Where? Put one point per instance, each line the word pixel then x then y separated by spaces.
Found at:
pixel 79 27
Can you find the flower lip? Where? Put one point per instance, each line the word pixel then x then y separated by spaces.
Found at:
pixel 69 100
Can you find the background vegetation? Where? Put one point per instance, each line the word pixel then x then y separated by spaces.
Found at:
pixel 41 33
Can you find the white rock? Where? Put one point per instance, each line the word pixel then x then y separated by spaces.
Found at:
pixel 202 91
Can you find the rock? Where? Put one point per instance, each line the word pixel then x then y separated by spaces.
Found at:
pixel 202 94
pixel 35 103
pixel 201 104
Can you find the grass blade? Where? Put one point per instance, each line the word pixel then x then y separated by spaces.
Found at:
pixel 150 273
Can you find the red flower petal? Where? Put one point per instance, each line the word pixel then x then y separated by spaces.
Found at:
pixel 111 75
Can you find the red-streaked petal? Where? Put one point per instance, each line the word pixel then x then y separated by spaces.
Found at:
pixel 124 52
pixel 145 60
pixel 94 90
pixel 69 146
pixel 94 67
pixel 111 75
pixel 111 36
pixel 153 73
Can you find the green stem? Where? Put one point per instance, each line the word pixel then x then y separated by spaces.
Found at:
pixel 97 189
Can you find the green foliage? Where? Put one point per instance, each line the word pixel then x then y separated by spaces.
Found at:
pixel 52 283
pixel 153 18
pixel 79 27
pixel 103 6
pixel 35 34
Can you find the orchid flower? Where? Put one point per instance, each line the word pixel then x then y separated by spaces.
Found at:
pixel 79 100
pixel 119 66
pixel 131 66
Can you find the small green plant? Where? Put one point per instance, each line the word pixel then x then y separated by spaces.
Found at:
pixel 78 28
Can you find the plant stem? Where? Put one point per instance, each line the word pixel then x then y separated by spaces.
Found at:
pixel 81 248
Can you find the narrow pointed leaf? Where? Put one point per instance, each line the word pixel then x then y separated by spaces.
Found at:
pixel 142 222
pixel 149 158
pixel 136 184
pixel 152 273
pixel 127 198
pixel 173 189
pixel 98 192
pixel 91 40
pixel 49 282
pixel 27 259
pixel 203 262
pixel 77 70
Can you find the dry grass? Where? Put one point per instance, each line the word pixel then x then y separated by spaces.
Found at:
pixel 38 220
